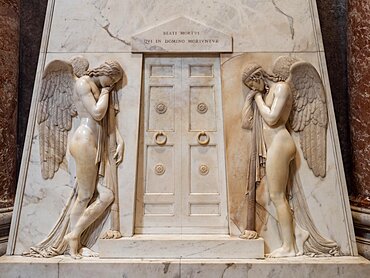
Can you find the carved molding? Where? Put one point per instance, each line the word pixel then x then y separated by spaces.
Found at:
pixel 161 108
pixel 159 169
pixel 203 169
pixel 202 108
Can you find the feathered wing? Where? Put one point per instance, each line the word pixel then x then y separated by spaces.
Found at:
pixel 309 116
pixel 55 113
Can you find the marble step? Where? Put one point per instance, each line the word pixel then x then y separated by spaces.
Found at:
pixel 66 267
pixel 182 246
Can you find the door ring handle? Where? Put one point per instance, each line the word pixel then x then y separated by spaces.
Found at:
pixel 159 141
pixel 204 141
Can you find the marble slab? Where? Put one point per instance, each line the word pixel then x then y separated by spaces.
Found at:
pixel 256 26
pixel 344 267
pixel 190 247
pixel 261 31
pixel 181 35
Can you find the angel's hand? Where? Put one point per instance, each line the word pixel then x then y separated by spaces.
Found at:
pixel 258 95
pixel 118 155
pixel 251 95
pixel 105 91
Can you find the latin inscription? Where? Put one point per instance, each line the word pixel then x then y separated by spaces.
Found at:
pixel 181 37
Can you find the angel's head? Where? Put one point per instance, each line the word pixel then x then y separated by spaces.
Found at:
pixel 253 77
pixel 257 79
pixel 108 73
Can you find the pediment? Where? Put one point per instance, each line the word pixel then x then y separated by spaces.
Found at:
pixel 181 34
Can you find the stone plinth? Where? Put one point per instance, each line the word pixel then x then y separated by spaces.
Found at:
pixel 188 247
pixel 92 267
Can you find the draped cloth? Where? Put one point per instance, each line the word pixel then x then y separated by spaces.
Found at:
pixel 257 166
pixel 54 244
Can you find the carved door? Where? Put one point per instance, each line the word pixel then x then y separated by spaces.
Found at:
pixel 182 184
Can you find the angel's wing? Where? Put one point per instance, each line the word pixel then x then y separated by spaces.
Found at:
pixel 309 116
pixel 56 110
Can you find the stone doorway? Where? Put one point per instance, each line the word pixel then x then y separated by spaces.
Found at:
pixel 181 185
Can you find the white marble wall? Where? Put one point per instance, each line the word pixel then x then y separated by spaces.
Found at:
pixel 107 25
pixel 101 29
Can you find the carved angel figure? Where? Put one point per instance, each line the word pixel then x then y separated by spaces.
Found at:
pixel 293 98
pixel 70 89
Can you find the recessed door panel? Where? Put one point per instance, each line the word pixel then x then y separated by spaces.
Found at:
pixel 202 108
pixel 160 176
pixel 204 172
pixel 161 108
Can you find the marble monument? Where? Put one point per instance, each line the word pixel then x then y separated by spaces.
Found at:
pixel 170 131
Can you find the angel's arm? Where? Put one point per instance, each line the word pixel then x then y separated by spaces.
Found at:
pixel 247 112
pixel 97 109
pixel 272 115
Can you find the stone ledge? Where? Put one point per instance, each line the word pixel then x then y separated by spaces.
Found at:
pixel 182 246
pixel 62 266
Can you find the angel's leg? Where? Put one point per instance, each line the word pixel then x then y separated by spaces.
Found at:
pixel 279 155
pixel 94 210
pixel 84 154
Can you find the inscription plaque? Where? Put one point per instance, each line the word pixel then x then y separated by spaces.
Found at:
pixel 181 35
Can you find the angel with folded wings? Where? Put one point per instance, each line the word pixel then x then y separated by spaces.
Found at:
pixel 70 89
pixel 292 99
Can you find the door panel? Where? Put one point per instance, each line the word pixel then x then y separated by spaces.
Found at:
pixel 161 108
pixel 160 176
pixel 202 108
pixel 184 186
pixel 203 170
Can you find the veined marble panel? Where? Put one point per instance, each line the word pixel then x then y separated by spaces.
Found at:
pixel 255 25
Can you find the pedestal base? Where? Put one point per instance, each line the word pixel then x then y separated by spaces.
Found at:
pixel 61 267
pixel 182 246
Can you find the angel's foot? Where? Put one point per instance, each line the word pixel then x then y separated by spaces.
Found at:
pixel 300 238
pixel 248 234
pixel 282 252
pixel 73 243
pixel 110 234
pixel 87 252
